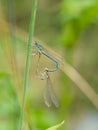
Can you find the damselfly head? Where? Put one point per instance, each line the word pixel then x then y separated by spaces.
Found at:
pixel 36 43
pixel 40 47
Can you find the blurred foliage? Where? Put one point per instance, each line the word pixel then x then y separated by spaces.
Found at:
pixel 76 16
pixel 9 106
pixel 70 26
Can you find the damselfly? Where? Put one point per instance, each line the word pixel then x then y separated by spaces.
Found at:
pixel 49 95
pixel 41 49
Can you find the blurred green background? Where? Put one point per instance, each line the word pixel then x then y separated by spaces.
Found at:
pixel 69 27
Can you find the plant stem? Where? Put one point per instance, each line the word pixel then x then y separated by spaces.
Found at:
pixel 30 38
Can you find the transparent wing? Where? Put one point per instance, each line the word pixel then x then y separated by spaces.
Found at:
pixel 51 93
pixel 47 98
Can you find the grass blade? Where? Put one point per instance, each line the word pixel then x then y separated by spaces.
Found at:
pixel 30 38
pixel 56 126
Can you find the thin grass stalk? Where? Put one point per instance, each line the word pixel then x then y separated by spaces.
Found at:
pixel 26 75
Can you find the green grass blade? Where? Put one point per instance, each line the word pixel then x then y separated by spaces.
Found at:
pixel 30 38
pixel 56 126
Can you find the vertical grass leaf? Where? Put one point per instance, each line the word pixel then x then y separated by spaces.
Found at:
pixel 30 38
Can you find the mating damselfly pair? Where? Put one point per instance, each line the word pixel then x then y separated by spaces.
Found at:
pixel 49 95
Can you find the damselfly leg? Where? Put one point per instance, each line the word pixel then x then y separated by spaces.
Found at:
pixel 38 64
pixel 34 50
